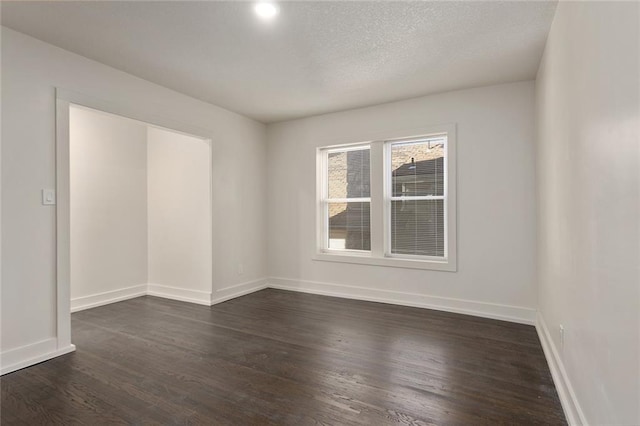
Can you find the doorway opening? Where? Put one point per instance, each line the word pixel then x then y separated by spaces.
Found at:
pixel 134 211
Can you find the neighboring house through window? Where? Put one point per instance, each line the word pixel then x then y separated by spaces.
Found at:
pixel 417 197
pixel 349 199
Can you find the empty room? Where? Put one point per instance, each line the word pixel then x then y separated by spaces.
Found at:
pixel 320 212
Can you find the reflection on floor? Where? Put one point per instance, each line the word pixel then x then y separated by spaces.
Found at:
pixel 277 357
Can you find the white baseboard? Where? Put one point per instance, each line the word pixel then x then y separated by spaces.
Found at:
pixel 572 410
pixel 41 351
pixel 167 292
pixel 28 355
pixel 237 290
pixel 25 356
pixel 95 300
pixel 183 295
pixel 516 314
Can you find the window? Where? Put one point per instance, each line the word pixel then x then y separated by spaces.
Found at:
pixel 347 199
pixel 389 201
pixel 417 197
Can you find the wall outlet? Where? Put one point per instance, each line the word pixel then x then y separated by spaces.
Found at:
pixel 240 268
pixel 561 337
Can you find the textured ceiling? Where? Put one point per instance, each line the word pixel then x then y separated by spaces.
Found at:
pixel 315 57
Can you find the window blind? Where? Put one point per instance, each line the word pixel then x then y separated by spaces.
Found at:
pixel 417 199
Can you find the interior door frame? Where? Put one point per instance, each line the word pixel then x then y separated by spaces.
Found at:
pixel 64 100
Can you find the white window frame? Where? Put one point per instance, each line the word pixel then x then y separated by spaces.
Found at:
pixel 325 200
pixel 389 197
pixel 380 254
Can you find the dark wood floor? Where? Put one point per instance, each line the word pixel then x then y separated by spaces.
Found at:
pixel 277 357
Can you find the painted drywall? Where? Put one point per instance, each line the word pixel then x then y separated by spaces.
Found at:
pixel 108 203
pixel 588 180
pixel 496 211
pixel 140 211
pixel 179 211
pixel 31 70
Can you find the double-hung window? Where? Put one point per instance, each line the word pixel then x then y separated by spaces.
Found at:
pixel 346 200
pixel 389 201
pixel 416 198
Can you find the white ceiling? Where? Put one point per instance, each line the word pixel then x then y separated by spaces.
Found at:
pixel 315 57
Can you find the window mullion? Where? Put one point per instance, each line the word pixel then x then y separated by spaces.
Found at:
pixel 377 199
pixel 348 200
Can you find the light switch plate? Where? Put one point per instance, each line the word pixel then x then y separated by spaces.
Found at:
pixel 48 197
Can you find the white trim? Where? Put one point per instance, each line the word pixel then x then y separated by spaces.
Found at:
pixel 418 198
pixel 347 200
pixel 124 109
pixel 63 226
pixel 380 209
pixel 181 294
pixel 322 193
pixel 448 262
pixel 25 356
pixel 376 208
pixel 572 410
pixel 416 140
pixel 347 148
pixel 517 314
pixel 322 239
pixel 365 258
pixel 237 290
pixel 167 292
pixel 99 299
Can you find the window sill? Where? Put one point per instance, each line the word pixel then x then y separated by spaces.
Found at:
pixel 394 262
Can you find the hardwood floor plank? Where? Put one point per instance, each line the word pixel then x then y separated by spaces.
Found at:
pixel 278 357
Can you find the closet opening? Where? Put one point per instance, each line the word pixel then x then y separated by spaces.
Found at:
pixel 134 212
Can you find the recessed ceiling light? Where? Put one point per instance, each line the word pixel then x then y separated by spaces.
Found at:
pixel 266 10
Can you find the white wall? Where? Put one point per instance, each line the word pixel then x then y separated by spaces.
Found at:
pixel 31 70
pixel 496 211
pixel 179 211
pixel 108 194
pixel 588 176
pixel 140 211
